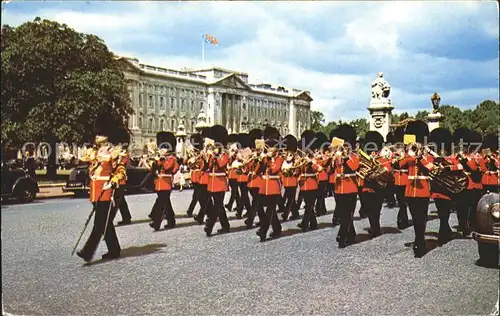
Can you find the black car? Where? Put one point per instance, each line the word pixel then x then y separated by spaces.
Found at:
pixel 16 183
pixel 78 181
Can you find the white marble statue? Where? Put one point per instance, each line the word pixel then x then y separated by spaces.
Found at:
pixel 380 87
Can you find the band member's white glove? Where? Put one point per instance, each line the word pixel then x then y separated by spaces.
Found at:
pixel 411 153
pixel 107 186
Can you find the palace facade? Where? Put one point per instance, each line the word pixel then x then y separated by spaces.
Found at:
pixel 164 98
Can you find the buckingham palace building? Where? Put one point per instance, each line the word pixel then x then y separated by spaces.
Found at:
pixel 164 98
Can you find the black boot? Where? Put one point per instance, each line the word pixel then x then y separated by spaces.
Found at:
pixel 84 256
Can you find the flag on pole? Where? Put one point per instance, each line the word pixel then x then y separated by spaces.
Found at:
pixel 210 39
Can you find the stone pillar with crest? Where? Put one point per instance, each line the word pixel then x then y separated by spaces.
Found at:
pixel 380 107
pixel 434 119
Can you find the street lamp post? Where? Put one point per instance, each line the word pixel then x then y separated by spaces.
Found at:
pixel 435 117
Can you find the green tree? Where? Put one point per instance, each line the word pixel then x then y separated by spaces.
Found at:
pixel 486 117
pixel 317 120
pixel 395 118
pixel 422 116
pixel 361 125
pixel 55 82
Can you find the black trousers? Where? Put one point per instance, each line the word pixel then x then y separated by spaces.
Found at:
pixel 270 217
pixel 256 208
pixel 346 204
pixel 289 199
pixel 309 219
pixel 122 204
pixel 444 207
pixel 466 214
pixel 320 207
pixel 418 210
pixel 245 199
pixel 100 218
pixel 335 217
pixel 330 189
pixel 215 210
pixel 195 199
pixel 363 210
pixel 402 203
pixel 163 208
pixel 373 207
pixel 235 196
pixel 298 204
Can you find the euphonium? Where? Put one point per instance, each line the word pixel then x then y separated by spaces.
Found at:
pixel 371 171
pixel 445 179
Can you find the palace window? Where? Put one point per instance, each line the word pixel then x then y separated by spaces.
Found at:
pixel 172 103
pixel 192 126
pixel 161 125
pixel 192 105
pixel 140 99
pixel 201 105
pixel 161 102
pixel 150 124
pixel 140 122
pixel 182 105
pixel 244 106
pixel 150 101
pixel 172 125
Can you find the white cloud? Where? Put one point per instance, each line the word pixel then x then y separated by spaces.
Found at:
pixel 277 43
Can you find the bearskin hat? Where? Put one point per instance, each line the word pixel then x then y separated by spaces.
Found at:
pixel 418 128
pixel 219 134
pixel 205 132
pixel 491 141
pixel 321 141
pixel 291 143
pixel 166 140
pixel 373 142
pixel 197 141
pixel 306 141
pixel 345 132
pixel 442 138
pixel 255 134
pixel 462 135
pixel 390 138
pixel 244 140
pixel 272 136
pixel 399 134
pixel 232 138
pixel 475 140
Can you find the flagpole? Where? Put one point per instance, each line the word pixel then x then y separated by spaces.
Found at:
pixel 203 49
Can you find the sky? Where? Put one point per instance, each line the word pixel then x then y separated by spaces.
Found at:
pixel 332 49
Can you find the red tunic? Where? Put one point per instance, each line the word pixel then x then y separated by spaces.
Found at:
pixel 270 178
pixel 345 178
pixel 323 174
pixel 418 184
pixel 490 177
pixel 217 181
pixel 101 175
pixel 308 178
pixel 166 172
pixel 231 174
pixel 255 179
pixel 471 165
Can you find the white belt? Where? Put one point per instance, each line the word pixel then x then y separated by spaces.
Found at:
pixel 308 175
pixel 100 178
pixel 418 177
pixel 251 173
pixel 493 172
pixel 347 175
pixel 218 174
pixel 401 170
pixel 270 177
pixel 165 175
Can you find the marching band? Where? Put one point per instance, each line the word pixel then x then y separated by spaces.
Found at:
pixel 267 174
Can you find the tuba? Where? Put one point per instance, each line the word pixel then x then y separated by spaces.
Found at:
pixel 371 171
pixel 446 180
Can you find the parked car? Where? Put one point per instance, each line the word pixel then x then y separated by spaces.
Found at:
pixel 487 230
pixel 16 183
pixel 78 181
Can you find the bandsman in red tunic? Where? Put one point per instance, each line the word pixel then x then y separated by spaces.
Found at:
pixel 491 160
pixel 164 168
pixel 254 167
pixel 346 163
pixel 233 182
pixel 270 192
pixel 242 179
pixel 289 181
pixel 104 178
pixel 194 163
pixel 217 187
pixel 308 181
pixel 418 191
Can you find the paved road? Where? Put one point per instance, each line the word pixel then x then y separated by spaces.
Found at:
pixel 182 272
